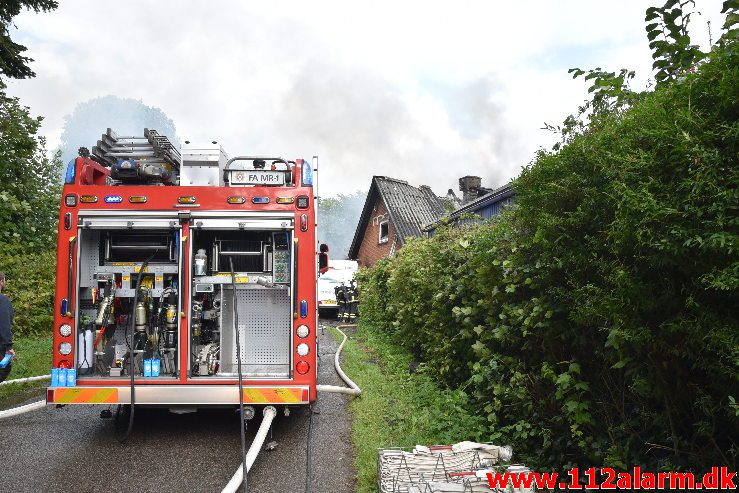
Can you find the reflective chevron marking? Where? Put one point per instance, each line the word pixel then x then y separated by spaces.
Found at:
pixel 81 395
pixel 277 395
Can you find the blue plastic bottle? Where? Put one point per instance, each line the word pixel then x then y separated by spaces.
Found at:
pixel 55 377
pixel 156 367
pixel 71 377
pixel 6 360
pixel 147 367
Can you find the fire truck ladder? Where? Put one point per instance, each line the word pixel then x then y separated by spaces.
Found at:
pixel 151 148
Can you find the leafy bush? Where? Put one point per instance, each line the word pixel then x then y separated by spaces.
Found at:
pixel 30 286
pixel 594 323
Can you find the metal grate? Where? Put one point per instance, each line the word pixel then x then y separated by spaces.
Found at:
pixel 89 257
pixel 264 327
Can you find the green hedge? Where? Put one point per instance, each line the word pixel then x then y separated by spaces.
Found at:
pixel 30 286
pixel 595 322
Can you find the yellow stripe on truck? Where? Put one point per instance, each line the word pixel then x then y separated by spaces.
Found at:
pixel 81 395
pixel 273 395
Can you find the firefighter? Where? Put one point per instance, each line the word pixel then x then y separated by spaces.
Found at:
pixel 347 303
pixel 340 292
pixel 6 336
pixel 352 302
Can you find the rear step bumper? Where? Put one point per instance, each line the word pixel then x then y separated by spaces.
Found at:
pixel 178 395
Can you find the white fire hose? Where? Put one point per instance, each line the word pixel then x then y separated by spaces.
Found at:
pixel 22 380
pixel 256 446
pixel 354 388
pixel 22 409
pixel 270 413
pixel 28 407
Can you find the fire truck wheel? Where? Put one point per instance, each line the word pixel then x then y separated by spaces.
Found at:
pixel 122 413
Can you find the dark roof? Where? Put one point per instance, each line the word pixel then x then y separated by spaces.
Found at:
pixel 409 208
pixel 496 195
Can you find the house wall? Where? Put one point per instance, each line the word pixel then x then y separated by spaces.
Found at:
pixel 492 210
pixel 370 249
pixel 485 212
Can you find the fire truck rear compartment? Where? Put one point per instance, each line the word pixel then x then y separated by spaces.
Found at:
pixel 261 262
pixel 110 256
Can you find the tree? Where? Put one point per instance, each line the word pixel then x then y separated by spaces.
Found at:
pixel 124 115
pixel 29 198
pixel 338 218
pixel 12 62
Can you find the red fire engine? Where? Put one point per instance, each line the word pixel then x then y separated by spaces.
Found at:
pixel 180 270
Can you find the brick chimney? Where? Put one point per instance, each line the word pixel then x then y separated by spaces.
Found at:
pixel 469 186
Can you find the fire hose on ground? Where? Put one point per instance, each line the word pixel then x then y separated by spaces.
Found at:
pixel 353 387
pixel 23 380
pixel 233 486
pixel 22 409
pixel 28 407
pixel 270 413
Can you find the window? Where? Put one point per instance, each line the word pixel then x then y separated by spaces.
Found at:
pixel 384 231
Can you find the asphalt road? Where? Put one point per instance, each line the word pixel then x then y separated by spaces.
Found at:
pixel 73 450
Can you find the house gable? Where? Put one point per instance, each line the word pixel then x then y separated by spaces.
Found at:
pixel 379 237
pixel 404 207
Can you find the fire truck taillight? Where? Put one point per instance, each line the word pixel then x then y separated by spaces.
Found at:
pixel 303 308
pixel 302 349
pixel 303 331
pixel 304 222
pixel 285 200
pixel 70 200
pixel 137 199
pixel 65 330
pixel 67 220
pixel 113 199
pixel 236 199
pixel 65 348
pixel 303 202
pixel 260 200
pixel 88 199
pixel 303 367
pixel 186 199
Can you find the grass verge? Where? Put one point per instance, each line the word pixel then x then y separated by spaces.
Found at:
pixel 33 358
pixel 397 408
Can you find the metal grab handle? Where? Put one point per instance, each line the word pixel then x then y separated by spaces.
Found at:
pixel 249 158
pixel 70 270
pixel 254 158
pixel 139 247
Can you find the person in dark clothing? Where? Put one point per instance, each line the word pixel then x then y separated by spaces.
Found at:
pixel 6 323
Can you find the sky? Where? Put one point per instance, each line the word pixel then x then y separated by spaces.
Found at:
pixel 423 91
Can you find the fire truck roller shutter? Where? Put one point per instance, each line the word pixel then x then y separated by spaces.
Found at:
pixel 111 221
pixel 248 224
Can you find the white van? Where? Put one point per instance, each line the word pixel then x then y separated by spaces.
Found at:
pixel 338 271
